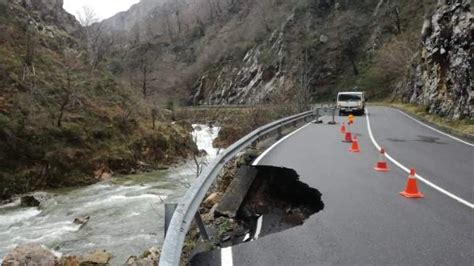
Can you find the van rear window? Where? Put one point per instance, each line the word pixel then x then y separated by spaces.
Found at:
pixel 349 97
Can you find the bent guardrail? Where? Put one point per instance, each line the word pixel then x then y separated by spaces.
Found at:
pixel 189 204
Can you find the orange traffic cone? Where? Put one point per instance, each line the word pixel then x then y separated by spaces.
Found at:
pixel 351 119
pixel 355 145
pixel 343 128
pixel 411 191
pixel 348 137
pixel 382 163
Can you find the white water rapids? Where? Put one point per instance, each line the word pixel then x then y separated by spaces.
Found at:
pixel 126 213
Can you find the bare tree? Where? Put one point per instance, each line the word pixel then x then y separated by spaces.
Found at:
pixel 71 62
pixel 98 43
pixel 394 58
pixel 28 62
pixel 146 69
pixel 347 30
pixel 142 65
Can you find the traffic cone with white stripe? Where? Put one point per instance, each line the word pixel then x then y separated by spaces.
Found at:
pixel 343 128
pixel 381 165
pixel 355 145
pixel 411 190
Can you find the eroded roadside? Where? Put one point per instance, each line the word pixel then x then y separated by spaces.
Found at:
pixel 259 201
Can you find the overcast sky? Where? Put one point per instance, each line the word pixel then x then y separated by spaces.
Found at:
pixel 103 8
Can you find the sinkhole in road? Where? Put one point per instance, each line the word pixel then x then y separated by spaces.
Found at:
pixel 274 201
pixel 280 200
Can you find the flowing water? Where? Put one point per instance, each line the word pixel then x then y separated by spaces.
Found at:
pixel 126 213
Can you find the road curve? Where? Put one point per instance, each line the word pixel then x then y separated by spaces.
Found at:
pixel 365 221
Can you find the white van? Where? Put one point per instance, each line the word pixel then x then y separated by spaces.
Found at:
pixel 351 102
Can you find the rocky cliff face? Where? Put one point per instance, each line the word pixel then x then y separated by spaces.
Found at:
pixel 443 79
pixel 48 12
pixel 317 43
pixel 256 80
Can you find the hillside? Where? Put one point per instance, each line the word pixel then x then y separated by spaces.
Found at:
pixel 251 52
pixel 62 122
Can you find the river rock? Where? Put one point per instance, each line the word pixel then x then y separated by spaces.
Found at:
pixel 30 254
pixel 99 257
pixel 150 257
pixel 202 153
pixel 212 199
pixel 82 220
pixel 29 201
pixel 69 261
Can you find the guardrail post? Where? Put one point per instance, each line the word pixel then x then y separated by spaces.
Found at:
pixel 333 122
pixel 316 115
pixel 254 144
pixel 169 211
pixel 202 228
pixel 279 133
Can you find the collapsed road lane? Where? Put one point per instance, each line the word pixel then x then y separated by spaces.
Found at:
pixel 365 221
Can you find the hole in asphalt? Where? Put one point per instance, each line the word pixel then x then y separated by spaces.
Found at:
pixel 276 201
pixel 280 199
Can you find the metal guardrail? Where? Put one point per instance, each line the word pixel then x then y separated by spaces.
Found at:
pixel 189 205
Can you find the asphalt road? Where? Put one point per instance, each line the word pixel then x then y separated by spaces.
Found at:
pixel 365 221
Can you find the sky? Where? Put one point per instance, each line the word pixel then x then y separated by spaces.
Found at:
pixel 103 8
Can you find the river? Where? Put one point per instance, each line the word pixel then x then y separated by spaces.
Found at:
pixel 126 213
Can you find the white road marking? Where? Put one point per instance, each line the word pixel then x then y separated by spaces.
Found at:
pixel 226 257
pixel 436 130
pixel 447 193
pixel 259 227
pixel 276 144
pixel 226 253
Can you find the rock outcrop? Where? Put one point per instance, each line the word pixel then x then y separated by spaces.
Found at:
pixel 258 77
pixel 30 254
pixel 48 13
pixel 443 80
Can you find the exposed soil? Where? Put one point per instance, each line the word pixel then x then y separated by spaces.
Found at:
pixel 276 197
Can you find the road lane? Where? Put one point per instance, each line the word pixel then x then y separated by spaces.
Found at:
pixel 444 161
pixel 365 220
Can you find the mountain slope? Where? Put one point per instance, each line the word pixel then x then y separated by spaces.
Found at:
pixel 61 122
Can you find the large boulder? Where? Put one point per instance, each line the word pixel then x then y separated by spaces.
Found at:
pixel 30 254
pixel 99 257
pixel 29 201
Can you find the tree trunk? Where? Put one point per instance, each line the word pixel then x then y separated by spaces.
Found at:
pixel 144 84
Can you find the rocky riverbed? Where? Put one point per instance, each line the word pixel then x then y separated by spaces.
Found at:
pixel 125 214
